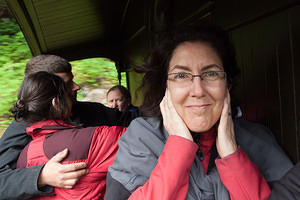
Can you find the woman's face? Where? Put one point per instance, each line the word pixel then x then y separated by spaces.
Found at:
pixel 198 102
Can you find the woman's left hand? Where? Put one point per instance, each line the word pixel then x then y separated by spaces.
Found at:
pixel 225 142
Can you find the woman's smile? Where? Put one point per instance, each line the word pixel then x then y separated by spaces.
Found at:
pixel 198 108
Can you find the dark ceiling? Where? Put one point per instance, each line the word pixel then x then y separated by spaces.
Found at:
pixel 116 29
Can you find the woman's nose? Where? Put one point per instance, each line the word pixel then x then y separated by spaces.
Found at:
pixel 197 87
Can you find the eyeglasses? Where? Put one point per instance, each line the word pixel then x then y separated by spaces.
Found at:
pixel 208 77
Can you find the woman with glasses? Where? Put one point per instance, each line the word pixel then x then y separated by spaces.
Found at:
pixel 189 146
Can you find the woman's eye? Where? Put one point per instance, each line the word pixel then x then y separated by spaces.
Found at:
pixel 212 74
pixel 181 76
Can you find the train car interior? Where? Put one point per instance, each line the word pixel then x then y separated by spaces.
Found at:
pixel 266 36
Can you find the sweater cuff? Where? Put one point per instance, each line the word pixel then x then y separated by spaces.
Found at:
pixel 177 141
pixel 242 177
pixel 182 149
pixel 233 161
pixel 45 190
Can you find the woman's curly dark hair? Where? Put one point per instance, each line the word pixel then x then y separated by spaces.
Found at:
pixel 156 64
pixel 35 98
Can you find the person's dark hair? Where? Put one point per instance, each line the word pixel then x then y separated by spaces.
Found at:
pixel 47 63
pixel 35 98
pixel 157 63
pixel 124 91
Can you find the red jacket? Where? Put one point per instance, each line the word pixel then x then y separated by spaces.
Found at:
pixel 176 162
pixel 96 146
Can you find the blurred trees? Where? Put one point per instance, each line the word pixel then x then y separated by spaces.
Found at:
pixel 14 53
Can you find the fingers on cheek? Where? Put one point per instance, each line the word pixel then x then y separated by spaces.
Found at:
pixel 224 109
pixel 229 105
pixel 162 103
pixel 170 103
pixel 228 97
pixel 163 107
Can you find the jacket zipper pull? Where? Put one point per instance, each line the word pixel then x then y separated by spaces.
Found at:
pixel 200 154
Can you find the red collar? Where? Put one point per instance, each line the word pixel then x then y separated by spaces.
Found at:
pixel 206 139
pixel 47 127
pixel 208 135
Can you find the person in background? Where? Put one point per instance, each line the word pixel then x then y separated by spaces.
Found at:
pixel 118 97
pixel 40 180
pixel 45 101
pixel 189 145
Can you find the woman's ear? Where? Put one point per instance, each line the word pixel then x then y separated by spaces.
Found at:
pixel 54 103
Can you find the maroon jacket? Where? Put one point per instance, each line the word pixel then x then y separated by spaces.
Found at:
pixel 96 146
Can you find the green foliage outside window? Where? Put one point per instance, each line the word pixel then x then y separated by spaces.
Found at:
pixel 96 72
pixel 14 53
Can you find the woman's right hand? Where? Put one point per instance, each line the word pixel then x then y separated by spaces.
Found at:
pixel 172 121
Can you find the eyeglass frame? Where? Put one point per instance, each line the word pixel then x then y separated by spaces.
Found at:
pixel 198 75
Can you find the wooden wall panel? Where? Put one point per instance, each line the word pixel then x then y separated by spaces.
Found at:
pixel 233 13
pixel 294 26
pixel 267 51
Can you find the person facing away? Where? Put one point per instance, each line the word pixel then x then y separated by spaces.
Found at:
pixel 44 100
pixel 187 145
pixel 33 181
